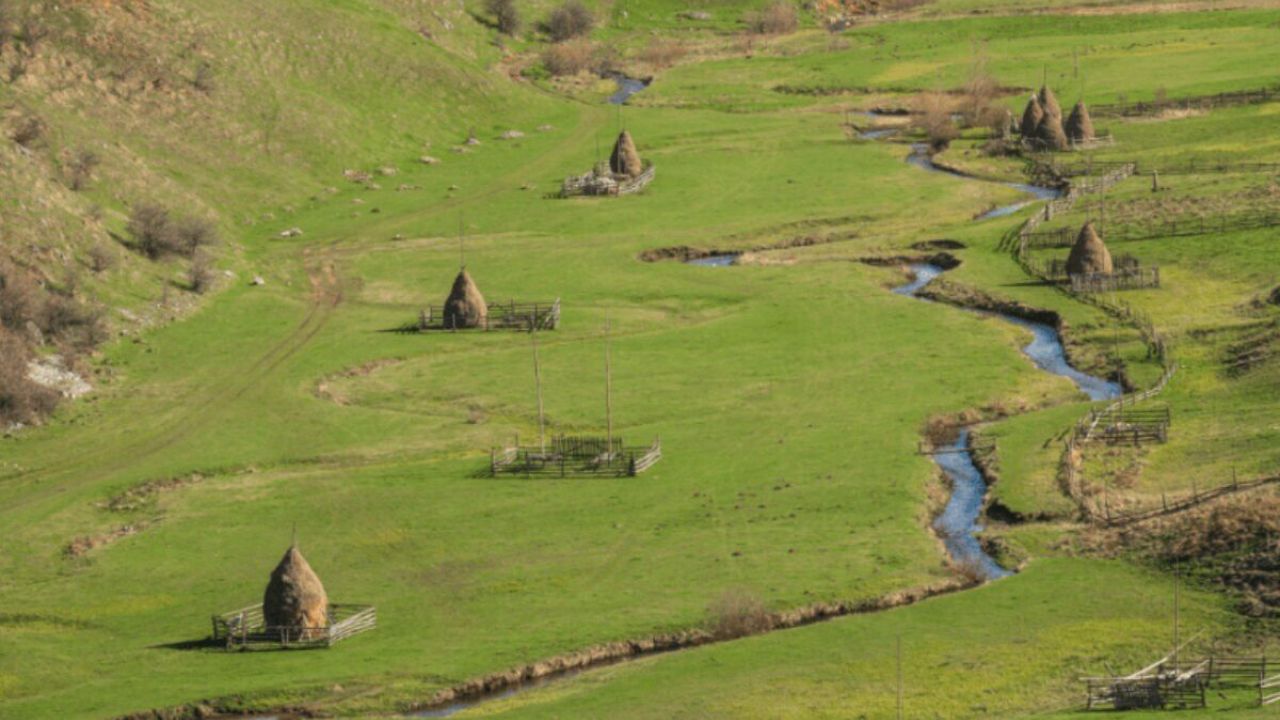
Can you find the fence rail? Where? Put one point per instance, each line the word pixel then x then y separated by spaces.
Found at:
pixel 1134 232
pixel 247 627
pixel 1130 279
pixel 1192 102
pixel 570 456
pixel 1192 166
pixel 510 315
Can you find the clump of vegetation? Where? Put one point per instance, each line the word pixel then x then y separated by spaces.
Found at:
pixel 21 399
pixel 932 116
pixel 156 233
pixel 663 53
pixel 101 258
pixel 200 275
pixel 776 18
pixel 80 168
pixel 738 613
pixel 505 15
pixel 569 58
pixel 569 21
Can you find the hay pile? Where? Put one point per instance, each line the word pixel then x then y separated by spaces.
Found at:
pixel 1031 118
pixel 625 160
pixel 1080 126
pixel 295 598
pixel 1051 134
pixel 1049 103
pixel 1089 254
pixel 465 307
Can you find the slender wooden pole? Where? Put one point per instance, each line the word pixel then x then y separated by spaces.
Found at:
pixel 899 653
pixel 608 390
pixel 537 380
pixel 1176 602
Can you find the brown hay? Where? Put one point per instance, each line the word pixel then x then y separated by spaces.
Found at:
pixel 1090 254
pixel 295 598
pixel 1051 134
pixel 1049 103
pixel 465 307
pixel 1031 118
pixel 1080 126
pixel 625 160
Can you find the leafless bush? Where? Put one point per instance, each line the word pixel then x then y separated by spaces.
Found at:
pixel 28 130
pixel 568 58
pixel 570 20
pixel 72 323
pixel 200 275
pixel 20 298
pixel 931 113
pixel 21 400
pixel 777 18
pixel 101 258
pixel 980 92
pixel 80 168
pixel 157 233
pixel 738 613
pixel 204 78
pixel 506 15
pixel 663 53
pixel 194 233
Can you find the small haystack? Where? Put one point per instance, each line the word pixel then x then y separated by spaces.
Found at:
pixel 295 598
pixel 1031 118
pixel 625 160
pixel 1089 255
pixel 1051 134
pixel 465 307
pixel 1049 103
pixel 1080 126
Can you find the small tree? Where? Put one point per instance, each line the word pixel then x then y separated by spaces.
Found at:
pixel 101 259
pixel 80 168
pixel 570 20
pixel 194 233
pixel 777 18
pixel 152 229
pixel 200 275
pixel 506 15
pixel 21 399
pixel 932 116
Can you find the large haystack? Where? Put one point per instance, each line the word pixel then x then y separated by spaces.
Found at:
pixel 295 598
pixel 1051 134
pixel 625 160
pixel 1049 103
pixel 465 307
pixel 1031 118
pixel 1080 126
pixel 1089 254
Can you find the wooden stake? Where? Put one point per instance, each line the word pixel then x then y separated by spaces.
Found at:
pixel 608 390
pixel 537 380
pixel 1176 602
pixel 899 677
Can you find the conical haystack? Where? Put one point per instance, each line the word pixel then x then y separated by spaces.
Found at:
pixel 1031 118
pixel 1080 126
pixel 465 307
pixel 625 160
pixel 1049 103
pixel 295 598
pixel 1089 254
pixel 1051 134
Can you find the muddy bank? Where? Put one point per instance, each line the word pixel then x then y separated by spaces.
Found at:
pixel 687 253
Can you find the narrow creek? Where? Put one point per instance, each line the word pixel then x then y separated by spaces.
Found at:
pixel 627 86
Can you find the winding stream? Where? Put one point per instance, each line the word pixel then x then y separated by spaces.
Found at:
pixel 627 86
pixel 921 158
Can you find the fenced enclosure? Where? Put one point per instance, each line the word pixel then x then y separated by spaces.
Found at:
pixel 1193 102
pixel 1170 683
pixel 1126 424
pixel 1192 166
pixel 1156 230
pixel 571 456
pixel 1124 279
pixel 246 628
pixel 596 183
pixel 510 315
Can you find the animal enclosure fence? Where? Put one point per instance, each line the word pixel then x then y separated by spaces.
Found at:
pixel 1126 279
pixel 247 628
pixel 572 456
pixel 1153 230
pixel 1170 683
pixel 1191 166
pixel 596 183
pixel 1192 102
pixel 501 316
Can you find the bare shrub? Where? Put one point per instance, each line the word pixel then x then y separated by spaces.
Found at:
pixel 662 53
pixel 506 15
pixel 80 168
pixel 101 258
pixel 28 130
pixel 738 613
pixel 568 58
pixel 157 233
pixel 931 113
pixel 204 80
pixel 21 400
pixel 777 18
pixel 569 21
pixel 194 233
pixel 72 323
pixel 20 298
pixel 200 275
pixel 980 92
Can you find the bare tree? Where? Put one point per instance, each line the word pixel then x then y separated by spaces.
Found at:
pixel 569 21
pixel 777 18
pixel 506 15
pixel 932 115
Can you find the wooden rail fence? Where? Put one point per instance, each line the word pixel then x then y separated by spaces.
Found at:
pixel 247 628
pixel 510 315
pixel 1065 237
pixel 1192 102
pixel 571 456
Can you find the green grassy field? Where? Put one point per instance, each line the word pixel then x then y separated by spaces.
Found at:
pixel 789 393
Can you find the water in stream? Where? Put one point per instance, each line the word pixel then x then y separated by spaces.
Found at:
pixel 920 158
pixel 627 86
pixel 714 260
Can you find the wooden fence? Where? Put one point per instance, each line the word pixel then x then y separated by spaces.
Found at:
pixel 1192 102
pixel 1177 505
pixel 1269 690
pixel 510 315
pixel 1130 279
pixel 1136 231
pixel 572 456
pixel 247 628
pixel 1182 684
pixel 1192 166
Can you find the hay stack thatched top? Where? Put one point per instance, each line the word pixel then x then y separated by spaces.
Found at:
pixel 1089 254
pixel 1051 134
pixel 465 307
pixel 625 160
pixel 1031 118
pixel 295 597
pixel 1080 126
pixel 1049 103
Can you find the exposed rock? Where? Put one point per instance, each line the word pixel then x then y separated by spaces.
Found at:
pixel 51 372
